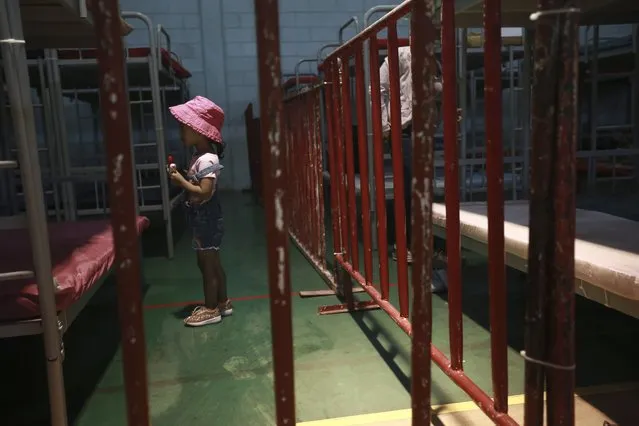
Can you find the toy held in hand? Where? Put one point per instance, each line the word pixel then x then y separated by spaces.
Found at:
pixel 172 166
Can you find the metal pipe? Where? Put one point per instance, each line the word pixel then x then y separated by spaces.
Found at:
pixel 347 123
pixel 495 175
pixel 594 100
pixel 634 106
pixel 398 170
pixel 369 30
pixel 463 104
pixel 55 84
pixel 370 46
pixel 553 206
pixel 154 66
pixel 423 35
pixel 17 76
pixel 377 159
pixel 526 110
pixel 321 50
pixel 49 137
pixel 332 157
pixel 297 70
pixel 512 114
pixel 362 124
pixel 268 50
pixel 351 21
pixel 162 32
pixel 451 180
pixel 115 112
pixel 338 178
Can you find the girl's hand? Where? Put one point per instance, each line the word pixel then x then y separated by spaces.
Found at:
pixel 175 176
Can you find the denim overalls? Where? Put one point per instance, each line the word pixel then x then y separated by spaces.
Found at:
pixel 205 219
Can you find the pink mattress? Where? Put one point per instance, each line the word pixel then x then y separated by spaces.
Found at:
pixel 81 253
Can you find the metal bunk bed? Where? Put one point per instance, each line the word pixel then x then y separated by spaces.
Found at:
pixel 68 83
pixel 48 271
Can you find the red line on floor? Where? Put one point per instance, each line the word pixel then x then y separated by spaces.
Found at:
pixel 199 302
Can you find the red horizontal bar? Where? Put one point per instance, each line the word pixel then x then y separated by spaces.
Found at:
pixel 483 401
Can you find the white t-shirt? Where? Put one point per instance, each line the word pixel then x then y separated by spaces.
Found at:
pixel 199 162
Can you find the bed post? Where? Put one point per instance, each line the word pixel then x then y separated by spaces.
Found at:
pixel 115 117
pixel 17 75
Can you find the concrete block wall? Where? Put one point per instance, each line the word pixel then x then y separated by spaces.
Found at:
pixel 216 41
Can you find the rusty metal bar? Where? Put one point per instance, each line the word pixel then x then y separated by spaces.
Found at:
pixel 360 102
pixel 338 177
pixel 378 167
pixel 551 298
pixel 329 103
pixel 115 116
pixel 319 175
pixel 347 123
pixel 495 177
pixel 398 169
pixel 451 157
pixel 465 383
pixel 423 35
pixel 561 381
pixel 275 179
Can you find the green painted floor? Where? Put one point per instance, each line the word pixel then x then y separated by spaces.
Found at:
pixel 345 364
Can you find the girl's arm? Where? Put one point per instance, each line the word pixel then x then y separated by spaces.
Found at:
pixel 205 189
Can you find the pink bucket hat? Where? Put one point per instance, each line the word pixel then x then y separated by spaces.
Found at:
pixel 202 115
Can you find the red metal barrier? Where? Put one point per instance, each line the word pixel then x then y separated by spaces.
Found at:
pixel 423 36
pixel 305 178
pixel 304 152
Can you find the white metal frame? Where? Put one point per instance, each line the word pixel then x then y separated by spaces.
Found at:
pixel 16 73
pixel 67 176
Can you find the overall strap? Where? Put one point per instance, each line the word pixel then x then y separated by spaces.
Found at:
pixel 207 170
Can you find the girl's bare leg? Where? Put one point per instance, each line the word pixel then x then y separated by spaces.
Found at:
pixel 222 295
pixel 206 261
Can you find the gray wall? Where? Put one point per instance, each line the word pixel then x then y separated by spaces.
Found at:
pixel 216 41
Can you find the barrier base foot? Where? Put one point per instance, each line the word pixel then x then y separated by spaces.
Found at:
pixel 344 308
pixel 327 292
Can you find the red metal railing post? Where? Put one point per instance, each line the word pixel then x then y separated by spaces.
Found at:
pixel 347 122
pixel 275 179
pixel 339 177
pixel 114 108
pixel 330 107
pixel 398 172
pixel 451 180
pixel 378 167
pixel 495 177
pixel 362 148
pixel 550 339
pixel 319 173
pixel 423 58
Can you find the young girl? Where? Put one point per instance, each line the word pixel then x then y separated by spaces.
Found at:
pixel 201 123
